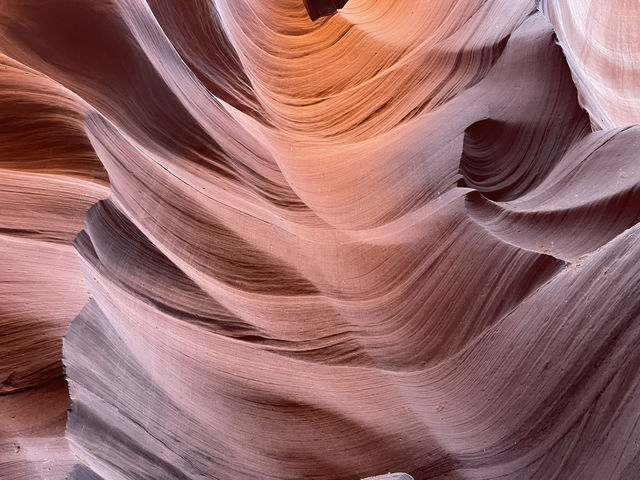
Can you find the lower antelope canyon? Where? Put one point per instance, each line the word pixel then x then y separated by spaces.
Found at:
pixel 319 239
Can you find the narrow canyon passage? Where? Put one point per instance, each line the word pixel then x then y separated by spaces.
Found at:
pixel 319 239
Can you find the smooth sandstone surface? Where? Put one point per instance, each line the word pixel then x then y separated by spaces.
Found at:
pixel 602 43
pixel 317 240
pixel 392 476
pixel 49 178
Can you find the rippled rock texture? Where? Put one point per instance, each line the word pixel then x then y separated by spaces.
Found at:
pixel 400 238
pixel 601 41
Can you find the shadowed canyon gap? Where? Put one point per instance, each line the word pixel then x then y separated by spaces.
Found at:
pixel 400 237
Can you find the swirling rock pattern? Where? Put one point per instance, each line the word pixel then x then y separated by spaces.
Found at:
pixel 387 240
pixel 49 177
pixel 602 44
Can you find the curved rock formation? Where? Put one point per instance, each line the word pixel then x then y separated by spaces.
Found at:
pixel 384 241
pixel 49 177
pixel 602 44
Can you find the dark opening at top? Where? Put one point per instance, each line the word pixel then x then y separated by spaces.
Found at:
pixel 322 8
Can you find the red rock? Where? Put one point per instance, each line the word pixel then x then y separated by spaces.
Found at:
pixel 403 238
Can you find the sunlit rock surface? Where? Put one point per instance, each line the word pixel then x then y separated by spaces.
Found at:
pixel 400 238
pixel 602 43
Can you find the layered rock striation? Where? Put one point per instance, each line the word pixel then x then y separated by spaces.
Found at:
pixel 401 238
